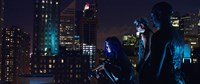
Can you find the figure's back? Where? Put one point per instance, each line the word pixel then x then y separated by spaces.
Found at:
pixel 174 41
pixel 166 54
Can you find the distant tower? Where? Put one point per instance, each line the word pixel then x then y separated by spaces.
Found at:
pixel 15 59
pixel 1 26
pixel 88 32
pixel 1 13
pixel 46 27
pixel 68 28
pixel 189 25
pixel 45 36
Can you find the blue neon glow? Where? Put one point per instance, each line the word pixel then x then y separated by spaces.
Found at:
pixel 187 51
pixel 54 46
pixel 77 37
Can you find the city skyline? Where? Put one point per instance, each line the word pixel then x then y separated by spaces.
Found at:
pixel 68 37
pixel 114 16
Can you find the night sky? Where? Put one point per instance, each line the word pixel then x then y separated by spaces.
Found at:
pixel 115 16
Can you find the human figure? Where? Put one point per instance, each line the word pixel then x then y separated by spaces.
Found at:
pixel 167 46
pixel 117 66
pixel 145 34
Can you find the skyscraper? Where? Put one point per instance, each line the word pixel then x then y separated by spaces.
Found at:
pixel 188 24
pixel 45 35
pixel 46 27
pixel 68 34
pixel 88 32
pixel 15 59
pixel 129 46
pixel 1 26
pixel 1 13
pixel 198 26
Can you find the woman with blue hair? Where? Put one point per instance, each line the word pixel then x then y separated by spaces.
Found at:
pixel 118 69
pixel 117 65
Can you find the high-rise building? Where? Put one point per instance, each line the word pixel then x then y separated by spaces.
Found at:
pixel 1 26
pixel 45 36
pixel 68 34
pixel 198 26
pixel 1 13
pixel 71 67
pixel 88 32
pixel 188 24
pixel 15 59
pixel 129 46
pixel 46 27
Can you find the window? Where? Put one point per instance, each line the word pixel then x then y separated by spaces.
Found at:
pixel 50 66
pixel 62 61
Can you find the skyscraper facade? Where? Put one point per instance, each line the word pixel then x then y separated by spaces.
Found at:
pixel 189 26
pixel 15 59
pixel 88 32
pixel 46 27
pixel 68 28
pixel 1 26
pixel 45 36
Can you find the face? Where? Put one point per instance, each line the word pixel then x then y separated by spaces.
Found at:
pixel 156 23
pixel 107 49
pixel 140 28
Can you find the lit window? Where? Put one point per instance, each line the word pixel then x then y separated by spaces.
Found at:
pixel 50 61
pixel 42 6
pixel 53 61
pixel 50 66
pixel 46 15
pixel 35 66
pixel 62 61
pixel 36 15
pixel 45 71
pixel 56 3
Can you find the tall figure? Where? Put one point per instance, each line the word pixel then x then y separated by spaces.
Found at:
pixel 166 48
pixel 145 34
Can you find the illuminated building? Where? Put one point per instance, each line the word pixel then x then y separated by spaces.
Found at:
pixel 176 20
pixel 46 27
pixel 68 35
pixel 188 24
pixel 129 44
pixel 15 54
pixel 45 36
pixel 198 26
pixel 1 26
pixel 71 67
pixel 1 13
pixel 88 32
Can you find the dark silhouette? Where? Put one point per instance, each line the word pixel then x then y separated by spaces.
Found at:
pixel 144 42
pixel 167 46
pixel 117 66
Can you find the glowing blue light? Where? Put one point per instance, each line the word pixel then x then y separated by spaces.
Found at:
pixel 77 37
pixel 187 51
